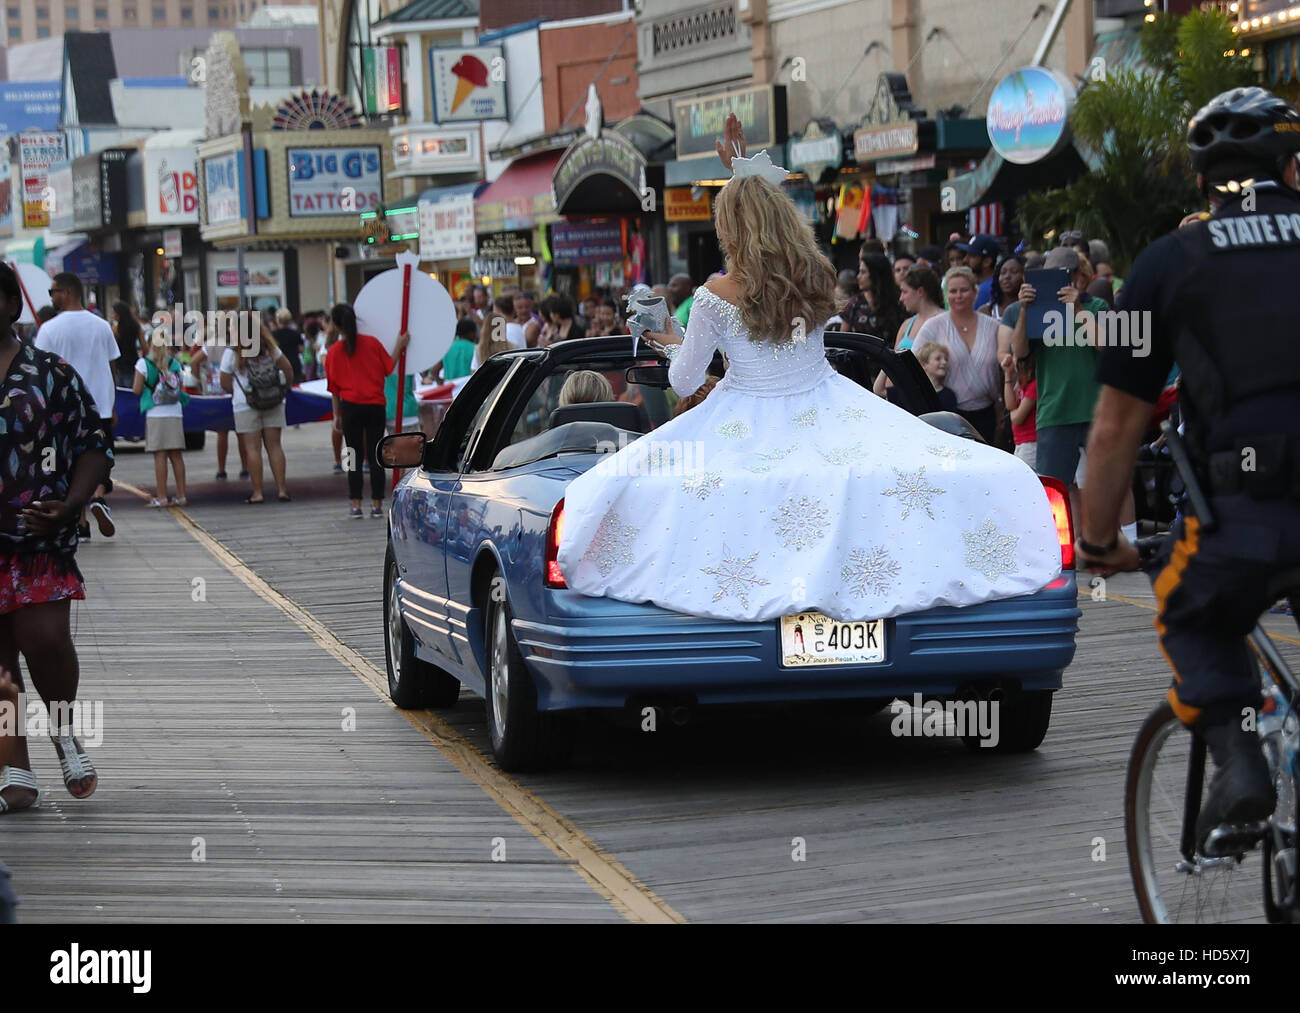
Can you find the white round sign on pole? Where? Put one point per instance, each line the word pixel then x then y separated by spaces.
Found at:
pixel 36 288
pixel 431 320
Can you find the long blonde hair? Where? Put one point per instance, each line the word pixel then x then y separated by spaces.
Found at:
pixel 490 334
pixel 784 279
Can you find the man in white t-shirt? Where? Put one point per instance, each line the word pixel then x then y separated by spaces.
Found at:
pixel 85 341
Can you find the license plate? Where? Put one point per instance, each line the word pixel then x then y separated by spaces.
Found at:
pixel 810 638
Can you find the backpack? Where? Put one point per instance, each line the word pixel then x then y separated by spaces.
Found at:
pixel 164 386
pixel 265 387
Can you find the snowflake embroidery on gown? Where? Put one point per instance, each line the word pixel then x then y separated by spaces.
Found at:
pixel 612 545
pixel 806 419
pixel 914 491
pixel 801 522
pixel 949 454
pixel 703 484
pixel 843 455
pixel 770 459
pixel 870 571
pixel 735 576
pixel 989 551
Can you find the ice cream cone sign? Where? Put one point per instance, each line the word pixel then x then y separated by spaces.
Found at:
pixel 471 73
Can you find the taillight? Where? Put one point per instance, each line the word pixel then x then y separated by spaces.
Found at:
pixel 554 578
pixel 1058 496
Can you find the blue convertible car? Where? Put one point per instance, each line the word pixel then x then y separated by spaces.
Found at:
pixel 473 593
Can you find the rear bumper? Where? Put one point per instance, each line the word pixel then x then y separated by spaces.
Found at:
pixel 596 652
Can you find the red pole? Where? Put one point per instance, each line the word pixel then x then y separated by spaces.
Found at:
pixel 401 361
pixel 13 266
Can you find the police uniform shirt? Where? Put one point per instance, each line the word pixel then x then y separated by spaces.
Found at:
pixel 1220 295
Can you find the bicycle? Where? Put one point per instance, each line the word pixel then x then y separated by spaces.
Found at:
pixel 1169 772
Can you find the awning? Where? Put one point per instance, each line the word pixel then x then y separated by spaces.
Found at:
pixel 54 258
pixel 520 198
pixel 440 193
pixel 26 251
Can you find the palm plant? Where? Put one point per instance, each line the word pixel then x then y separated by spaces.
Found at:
pixel 1135 121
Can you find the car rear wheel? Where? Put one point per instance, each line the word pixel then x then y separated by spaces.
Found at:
pixel 1022 717
pixel 412 682
pixel 523 738
pixel 195 441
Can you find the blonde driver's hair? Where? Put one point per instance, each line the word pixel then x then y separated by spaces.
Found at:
pixel 786 282
pixel 585 386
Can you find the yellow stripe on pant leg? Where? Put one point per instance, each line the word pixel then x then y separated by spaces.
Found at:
pixel 1166 584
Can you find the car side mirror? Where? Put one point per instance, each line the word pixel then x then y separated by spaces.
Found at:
pixel 402 450
pixel 649 376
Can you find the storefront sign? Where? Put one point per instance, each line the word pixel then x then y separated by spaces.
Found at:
pixel 505 245
pixel 171 243
pixel 171 187
pixel 820 148
pixel 587 242
pixel 29 105
pixel 382 72
pixel 610 154
pixel 468 83
pixel 419 150
pixel 334 181
pixel 916 164
pixel 36 153
pixel 699 121
pixel 680 206
pixel 493 268
pixel 447 228
pixel 1029 114
pixel 263 279
pixel 99 190
pixel 890 141
pixel 92 265
pixel 223 188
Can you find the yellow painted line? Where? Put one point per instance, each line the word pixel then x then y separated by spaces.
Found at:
pixel 606 875
pixel 1281 637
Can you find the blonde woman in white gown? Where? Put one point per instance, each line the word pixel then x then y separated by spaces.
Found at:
pixel 791 488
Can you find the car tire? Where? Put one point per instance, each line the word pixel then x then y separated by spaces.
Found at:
pixel 412 682
pixel 195 441
pixel 522 737
pixel 1023 719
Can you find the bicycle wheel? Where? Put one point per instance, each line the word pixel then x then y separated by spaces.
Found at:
pixel 1169 888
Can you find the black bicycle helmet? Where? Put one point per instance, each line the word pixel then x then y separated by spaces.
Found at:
pixel 1240 130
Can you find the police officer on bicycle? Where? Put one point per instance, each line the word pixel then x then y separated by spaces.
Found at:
pixel 1221 293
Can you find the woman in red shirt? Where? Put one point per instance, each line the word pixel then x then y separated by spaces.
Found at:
pixel 355 369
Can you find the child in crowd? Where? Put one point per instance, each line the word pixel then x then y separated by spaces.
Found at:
pixel 162 400
pixel 934 360
pixel 1020 392
pixel 460 356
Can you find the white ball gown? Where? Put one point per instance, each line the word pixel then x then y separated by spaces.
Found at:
pixel 793 489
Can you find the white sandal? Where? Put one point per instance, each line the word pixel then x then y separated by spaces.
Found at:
pixel 75 763
pixel 16 777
